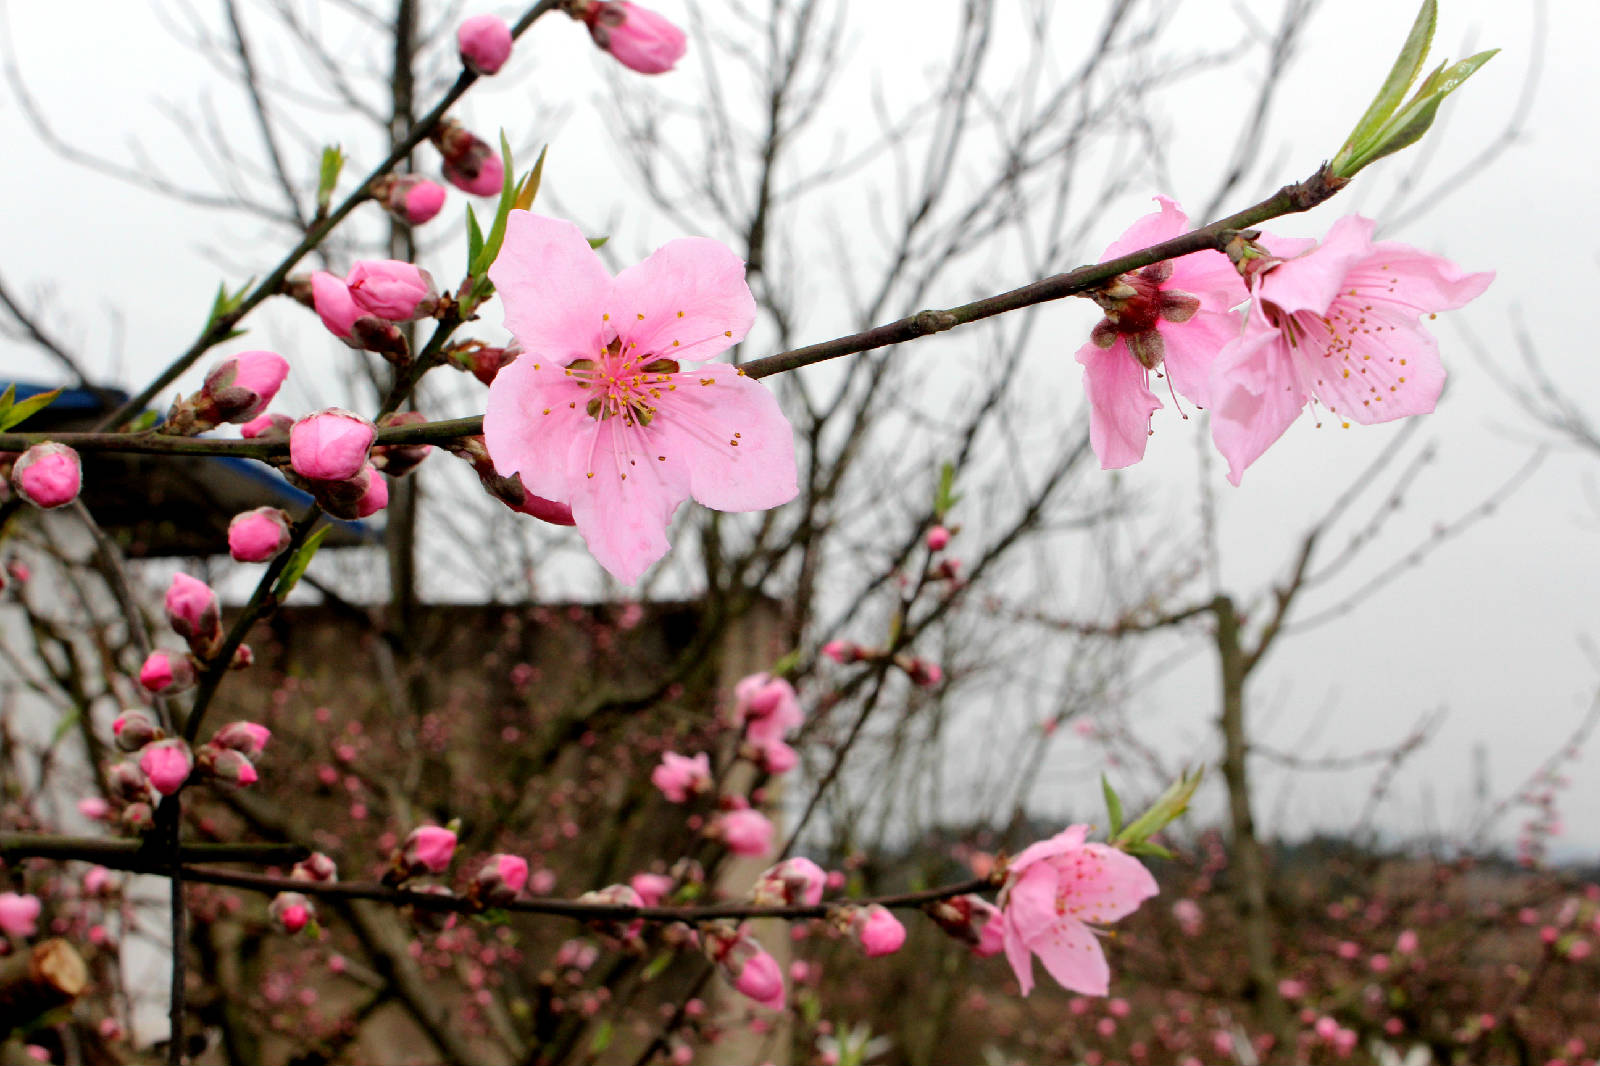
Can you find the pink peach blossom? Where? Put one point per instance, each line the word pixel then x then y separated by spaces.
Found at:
pixel 330 445
pixel 1173 315
pixel 485 43
pixel 745 832
pixel 652 888
pixel 768 708
pixel 429 847
pixel 229 765
pixel 167 764
pixel 597 413
pixel 48 475
pixel 331 298
pixel 1053 890
pixel 267 427
pixel 19 915
pixel 680 775
pixel 938 539
pixel 748 966
pixel 391 290
pixel 291 911
pixel 636 37
pixel 879 931
pixel 1338 325
pixel 256 536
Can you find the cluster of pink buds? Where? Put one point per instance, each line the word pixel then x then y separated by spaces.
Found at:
pixel 769 710
pixel 746 965
pixel 636 37
pixel 923 672
pixel 470 164
pixel 237 389
pixel 363 308
pixel 231 752
pixel 48 475
pixel 409 197
pixel 328 456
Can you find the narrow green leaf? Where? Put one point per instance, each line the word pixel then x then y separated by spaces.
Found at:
pixel 1167 807
pixel 603 1037
pixel 598 242
pixel 530 184
pixel 144 421
pixel 297 566
pixel 508 196
pixel 1414 120
pixel 474 238
pixel 1113 805
pixel 657 966
pixel 17 412
pixel 1406 65
pixel 785 665
pixel 328 176
pixel 1144 847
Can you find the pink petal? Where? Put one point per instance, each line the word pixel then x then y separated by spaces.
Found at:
pixel 522 438
pixel 1067 840
pixel 1191 349
pixel 1255 395
pixel 1072 954
pixel 1162 225
pixel 1411 278
pixel 687 301
pixel 623 519
pixel 1120 403
pixel 1370 374
pixel 1210 276
pixel 1018 955
pixel 1311 281
pixel 555 291
pixel 730 438
pixel 1102 884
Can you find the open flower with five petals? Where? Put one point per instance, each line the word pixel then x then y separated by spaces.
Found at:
pixel 602 412
pixel 1173 314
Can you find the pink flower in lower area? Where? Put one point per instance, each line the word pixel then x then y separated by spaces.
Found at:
pixel 1056 891
pixel 680 776
pixel 1173 315
pixel 19 915
pixel 430 848
pixel 485 43
pixel 745 832
pixel 48 475
pixel 1340 325
pixel 879 931
pixel 330 445
pixel 258 535
pixel 599 412
pixel 792 881
pixel 636 37
pixel 167 764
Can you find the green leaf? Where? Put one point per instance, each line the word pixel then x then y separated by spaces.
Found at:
pixel 1144 847
pixel 785 665
pixel 497 232
pixel 603 1037
pixel 17 412
pixel 1407 127
pixel 657 966
pixel 1113 805
pixel 328 176
pixel 297 565
pixel 1167 807
pixel 945 498
pixel 1406 65
pixel 530 184
pixel 474 238
pixel 598 243
pixel 144 421
pixel 68 721
pixel 8 397
pixel 225 303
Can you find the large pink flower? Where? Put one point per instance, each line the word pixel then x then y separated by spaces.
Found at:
pixel 598 413
pixel 1339 324
pixel 1053 891
pixel 1173 314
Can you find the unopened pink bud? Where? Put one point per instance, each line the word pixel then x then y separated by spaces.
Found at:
pixel 170 672
pixel 334 304
pixel 315 867
pixel 652 888
pixel 94 808
pixel 792 881
pixel 133 729
pixel 239 389
pixel 192 611
pixel 330 445
pixel 48 475
pixel 841 652
pixel 925 672
pixel 96 879
pixel 138 817
pixel 745 832
pixel 291 911
pixel 376 497
pixel 267 427
pixel 413 198
pixel 245 737
pixel 167 764
pixel 19 915
pixel 501 878
pixel 485 44
pixel 636 37
pixel 226 764
pixel 127 782
pixel 428 848
pixel 392 290
pixel 258 535
pixel 487 179
pixel 938 538
pixel 879 931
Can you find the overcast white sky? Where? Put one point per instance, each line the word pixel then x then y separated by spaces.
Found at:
pixel 1491 629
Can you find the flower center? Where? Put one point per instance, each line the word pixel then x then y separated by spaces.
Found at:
pixel 627 386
